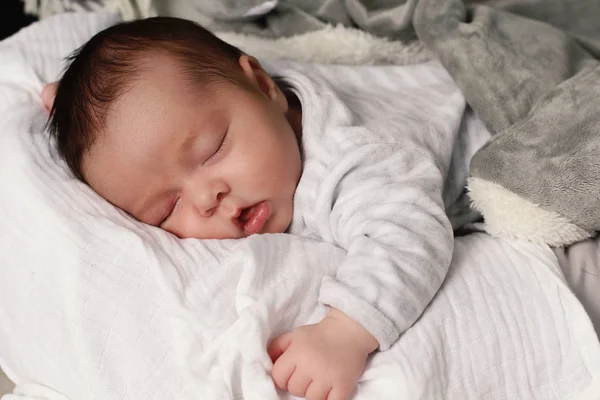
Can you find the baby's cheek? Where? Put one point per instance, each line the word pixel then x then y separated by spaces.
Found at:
pixel 184 224
pixel 281 219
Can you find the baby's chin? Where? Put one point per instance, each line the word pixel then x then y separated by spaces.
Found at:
pixel 269 228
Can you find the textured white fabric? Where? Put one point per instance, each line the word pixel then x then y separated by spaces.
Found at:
pixel 377 146
pixel 127 9
pixel 94 305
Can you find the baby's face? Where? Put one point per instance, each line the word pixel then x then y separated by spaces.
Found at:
pixel 205 165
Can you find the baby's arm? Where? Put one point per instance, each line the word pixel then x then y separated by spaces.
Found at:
pixel 386 209
pixel 388 213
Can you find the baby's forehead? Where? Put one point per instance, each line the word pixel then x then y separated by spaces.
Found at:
pixel 160 98
pixel 159 76
pixel 157 63
pixel 164 87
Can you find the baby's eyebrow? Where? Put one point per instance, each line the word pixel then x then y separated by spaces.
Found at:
pixel 186 143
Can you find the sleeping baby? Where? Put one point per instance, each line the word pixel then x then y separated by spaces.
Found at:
pixel 189 134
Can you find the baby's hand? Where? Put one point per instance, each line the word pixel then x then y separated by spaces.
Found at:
pixel 48 94
pixel 322 361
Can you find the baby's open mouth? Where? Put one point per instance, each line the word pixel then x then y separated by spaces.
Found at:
pixel 253 218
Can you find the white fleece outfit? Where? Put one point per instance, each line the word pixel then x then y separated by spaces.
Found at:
pixel 382 162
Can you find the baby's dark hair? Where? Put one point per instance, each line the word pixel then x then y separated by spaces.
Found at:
pixel 107 65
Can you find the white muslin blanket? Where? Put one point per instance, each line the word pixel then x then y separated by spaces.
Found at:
pixel 94 305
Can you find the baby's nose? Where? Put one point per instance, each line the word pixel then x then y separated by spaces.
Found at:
pixel 206 212
pixel 210 199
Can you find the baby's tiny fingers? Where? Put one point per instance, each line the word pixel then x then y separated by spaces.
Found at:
pixel 317 391
pixel 298 383
pixel 337 394
pixel 282 372
pixel 279 345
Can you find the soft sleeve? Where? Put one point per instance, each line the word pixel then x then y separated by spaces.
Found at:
pixel 387 212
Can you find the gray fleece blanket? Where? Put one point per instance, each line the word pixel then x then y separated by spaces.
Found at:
pixel 530 70
pixel 536 85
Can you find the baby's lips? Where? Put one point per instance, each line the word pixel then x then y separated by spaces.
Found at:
pixel 245 214
pixel 255 217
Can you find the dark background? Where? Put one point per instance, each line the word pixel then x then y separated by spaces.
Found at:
pixel 12 17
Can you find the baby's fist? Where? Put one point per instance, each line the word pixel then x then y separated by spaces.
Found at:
pixel 322 361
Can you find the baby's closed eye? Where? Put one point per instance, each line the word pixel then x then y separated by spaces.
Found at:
pixel 170 210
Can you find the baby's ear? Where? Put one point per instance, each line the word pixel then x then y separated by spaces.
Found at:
pixel 48 94
pixel 262 81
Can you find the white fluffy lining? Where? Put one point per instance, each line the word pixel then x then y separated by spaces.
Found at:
pixel 508 215
pixel 331 45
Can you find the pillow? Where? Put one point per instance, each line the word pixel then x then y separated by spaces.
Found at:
pixel 94 304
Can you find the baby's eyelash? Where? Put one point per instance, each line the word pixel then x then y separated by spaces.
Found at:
pixel 221 145
pixel 175 206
